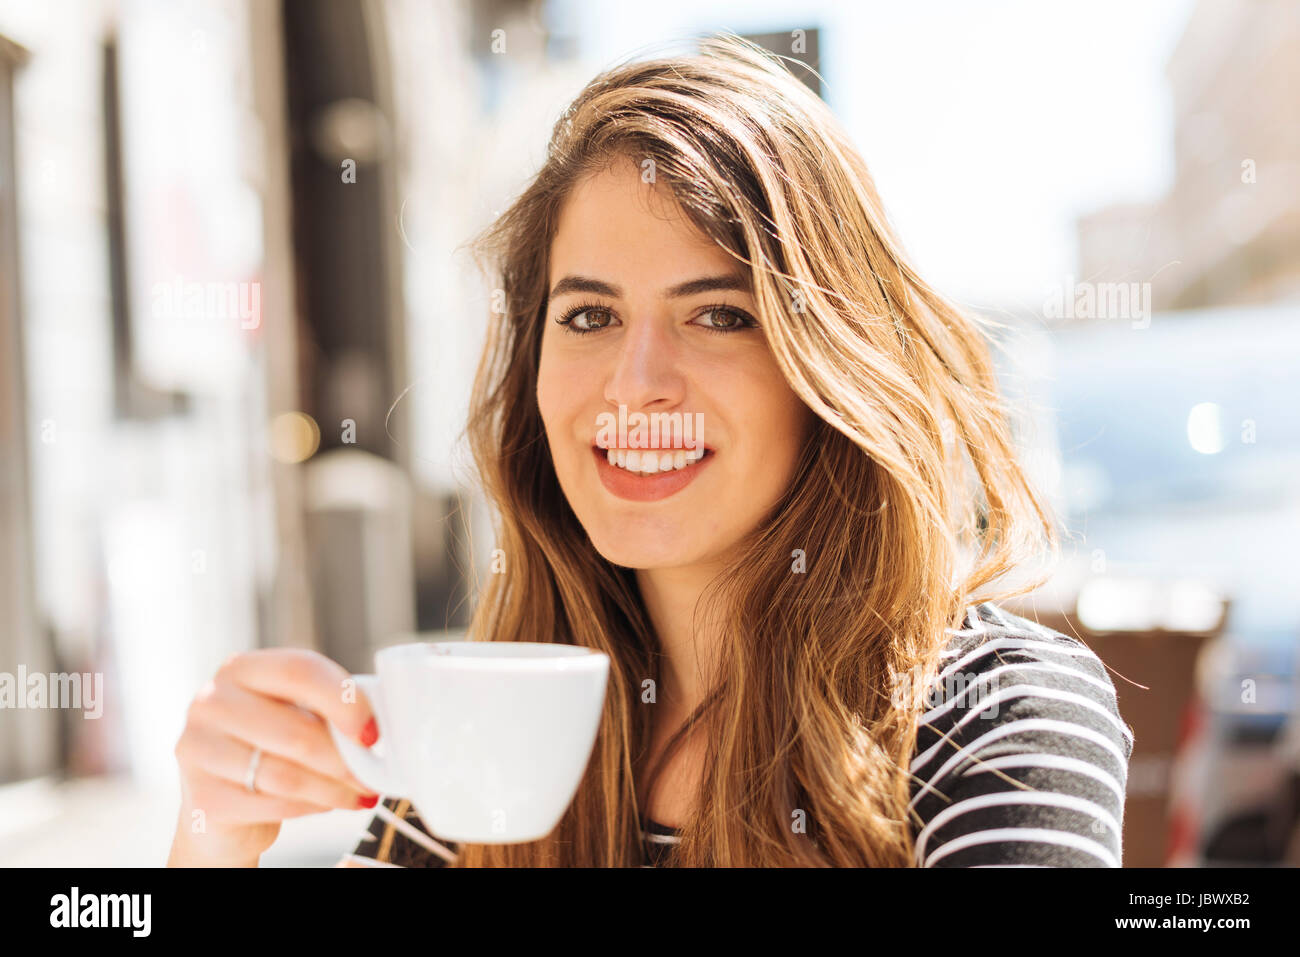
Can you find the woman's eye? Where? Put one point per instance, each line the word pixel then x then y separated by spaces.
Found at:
pixel 721 319
pixel 590 319
pixel 585 319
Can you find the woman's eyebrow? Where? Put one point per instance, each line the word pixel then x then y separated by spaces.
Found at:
pixel 691 287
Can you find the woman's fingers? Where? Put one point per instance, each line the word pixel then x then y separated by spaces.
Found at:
pixel 240 806
pixel 277 700
pixel 228 758
pixel 277 728
pixel 306 678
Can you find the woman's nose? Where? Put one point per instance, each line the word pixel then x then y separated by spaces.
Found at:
pixel 647 368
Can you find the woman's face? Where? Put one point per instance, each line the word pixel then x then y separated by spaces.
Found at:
pixel 647 313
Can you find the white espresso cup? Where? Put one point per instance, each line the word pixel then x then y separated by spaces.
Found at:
pixel 488 739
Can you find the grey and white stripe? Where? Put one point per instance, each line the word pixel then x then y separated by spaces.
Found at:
pixel 1026 764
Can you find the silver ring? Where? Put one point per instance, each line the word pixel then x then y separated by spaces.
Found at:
pixel 251 773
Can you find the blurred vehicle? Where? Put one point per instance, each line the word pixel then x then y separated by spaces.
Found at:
pixel 1179 450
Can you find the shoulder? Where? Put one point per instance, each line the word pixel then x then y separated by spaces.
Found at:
pixel 999 659
pixel 396 837
pixel 1022 754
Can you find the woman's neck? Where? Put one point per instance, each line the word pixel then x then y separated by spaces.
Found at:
pixel 689 649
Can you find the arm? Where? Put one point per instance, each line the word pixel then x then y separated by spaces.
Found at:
pixel 1026 764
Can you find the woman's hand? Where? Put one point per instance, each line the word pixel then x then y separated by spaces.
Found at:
pixel 278 700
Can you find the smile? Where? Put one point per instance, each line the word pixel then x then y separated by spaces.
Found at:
pixel 647 475
pixel 652 461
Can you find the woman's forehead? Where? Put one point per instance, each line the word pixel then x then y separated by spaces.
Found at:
pixel 618 224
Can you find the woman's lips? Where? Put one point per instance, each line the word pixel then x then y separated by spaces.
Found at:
pixel 639 487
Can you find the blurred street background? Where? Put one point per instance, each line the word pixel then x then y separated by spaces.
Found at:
pixel 238 329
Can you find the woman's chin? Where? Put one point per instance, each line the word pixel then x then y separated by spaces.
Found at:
pixel 629 552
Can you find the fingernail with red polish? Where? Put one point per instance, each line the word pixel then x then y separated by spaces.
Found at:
pixel 368 801
pixel 370 734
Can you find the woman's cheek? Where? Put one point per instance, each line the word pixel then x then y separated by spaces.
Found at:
pixel 549 392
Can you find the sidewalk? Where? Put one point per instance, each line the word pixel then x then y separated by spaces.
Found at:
pixel 114 822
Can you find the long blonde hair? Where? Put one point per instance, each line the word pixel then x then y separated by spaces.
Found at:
pixel 884 537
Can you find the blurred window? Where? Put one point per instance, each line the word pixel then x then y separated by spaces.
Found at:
pixel 1196 408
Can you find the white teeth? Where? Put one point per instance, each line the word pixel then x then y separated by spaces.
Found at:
pixel 653 462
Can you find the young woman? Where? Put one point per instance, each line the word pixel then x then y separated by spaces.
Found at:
pixel 803 668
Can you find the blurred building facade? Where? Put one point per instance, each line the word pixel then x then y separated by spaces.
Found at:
pixel 1227 232
pixel 239 331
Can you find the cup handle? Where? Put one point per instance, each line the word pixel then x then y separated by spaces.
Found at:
pixel 373 766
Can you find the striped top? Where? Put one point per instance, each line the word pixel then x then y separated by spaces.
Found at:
pixel 1021 761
